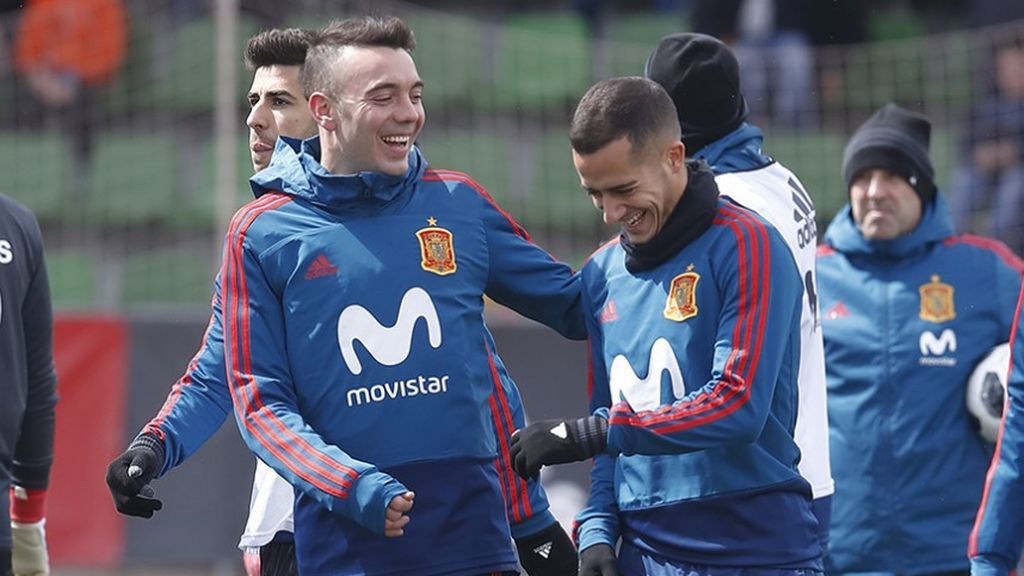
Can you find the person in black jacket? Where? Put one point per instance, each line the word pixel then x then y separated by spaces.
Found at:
pixel 28 389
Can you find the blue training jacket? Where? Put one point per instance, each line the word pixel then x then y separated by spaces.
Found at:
pixel 200 401
pixel 905 322
pixel 995 542
pixel 359 364
pixel 695 363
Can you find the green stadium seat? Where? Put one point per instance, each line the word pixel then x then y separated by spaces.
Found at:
pixel 543 64
pixel 37 171
pixel 179 275
pixel 72 278
pixel 484 156
pixel 127 91
pixel 190 83
pixel 133 180
pixel 816 158
pixel 449 56
pixel 198 206
pixel 556 199
pixel 646 27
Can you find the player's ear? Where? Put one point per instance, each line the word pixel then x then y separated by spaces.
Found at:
pixel 322 107
pixel 675 156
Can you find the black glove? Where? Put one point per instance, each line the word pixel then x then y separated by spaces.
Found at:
pixel 556 442
pixel 598 560
pixel 549 552
pixel 129 475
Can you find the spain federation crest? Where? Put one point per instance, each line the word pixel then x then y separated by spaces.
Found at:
pixel 436 249
pixel 937 301
pixel 682 296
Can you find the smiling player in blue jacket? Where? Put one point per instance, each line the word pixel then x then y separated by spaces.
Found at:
pixel 353 291
pixel 199 402
pixel 693 315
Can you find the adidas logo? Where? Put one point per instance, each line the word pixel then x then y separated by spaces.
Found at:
pixel 609 313
pixel 544 550
pixel 320 267
pixel 837 311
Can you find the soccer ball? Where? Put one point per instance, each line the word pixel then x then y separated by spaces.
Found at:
pixel 986 390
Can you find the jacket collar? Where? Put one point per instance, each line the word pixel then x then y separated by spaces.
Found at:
pixel 737 151
pixel 295 169
pixel 691 217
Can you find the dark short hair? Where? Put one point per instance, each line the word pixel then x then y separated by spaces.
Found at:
pixel 366 32
pixel 277 47
pixel 634 107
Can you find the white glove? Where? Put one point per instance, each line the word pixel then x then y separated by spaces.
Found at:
pixel 28 553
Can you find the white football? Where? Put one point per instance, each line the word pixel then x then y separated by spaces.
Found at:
pixel 986 390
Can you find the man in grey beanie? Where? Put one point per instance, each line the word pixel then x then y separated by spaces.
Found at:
pixel 908 310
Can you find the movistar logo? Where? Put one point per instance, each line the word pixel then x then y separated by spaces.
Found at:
pixel 936 350
pixel 646 393
pixel 388 345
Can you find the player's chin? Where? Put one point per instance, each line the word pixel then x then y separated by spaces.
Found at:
pixel 260 160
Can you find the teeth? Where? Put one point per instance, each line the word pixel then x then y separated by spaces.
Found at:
pixel 634 219
pixel 396 139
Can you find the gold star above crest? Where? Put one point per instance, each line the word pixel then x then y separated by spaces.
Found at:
pixel 689 268
pixel 432 221
pixel 935 277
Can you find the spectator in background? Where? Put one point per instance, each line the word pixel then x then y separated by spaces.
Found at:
pixel 65 50
pixel 28 392
pixel 776 62
pixel 832 26
pixel 989 186
pixel 908 310
pixel 9 10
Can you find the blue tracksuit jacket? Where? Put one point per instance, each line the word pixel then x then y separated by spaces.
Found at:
pixel 359 363
pixel 695 363
pixel 200 400
pixel 995 542
pixel 905 321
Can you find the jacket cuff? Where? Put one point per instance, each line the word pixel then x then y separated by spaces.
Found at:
pixel 373 492
pixel 532 525
pixel 982 566
pixel 152 442
pixel 27 506
pixel 595 531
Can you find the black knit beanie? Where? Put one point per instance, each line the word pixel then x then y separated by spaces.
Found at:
pixel 897 140
pixel 702 76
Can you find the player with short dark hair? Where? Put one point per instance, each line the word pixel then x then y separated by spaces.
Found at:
pixel 279 108
pixel 28 389
pixel 200 401
pixel 349 412
pixel 701 74
pixel 693 314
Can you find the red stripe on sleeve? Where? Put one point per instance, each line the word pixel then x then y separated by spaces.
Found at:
pixel 733 389
pixel 972 541
pixel 503 427
pixel 293 450
pixel 992 245
pixel 451 175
